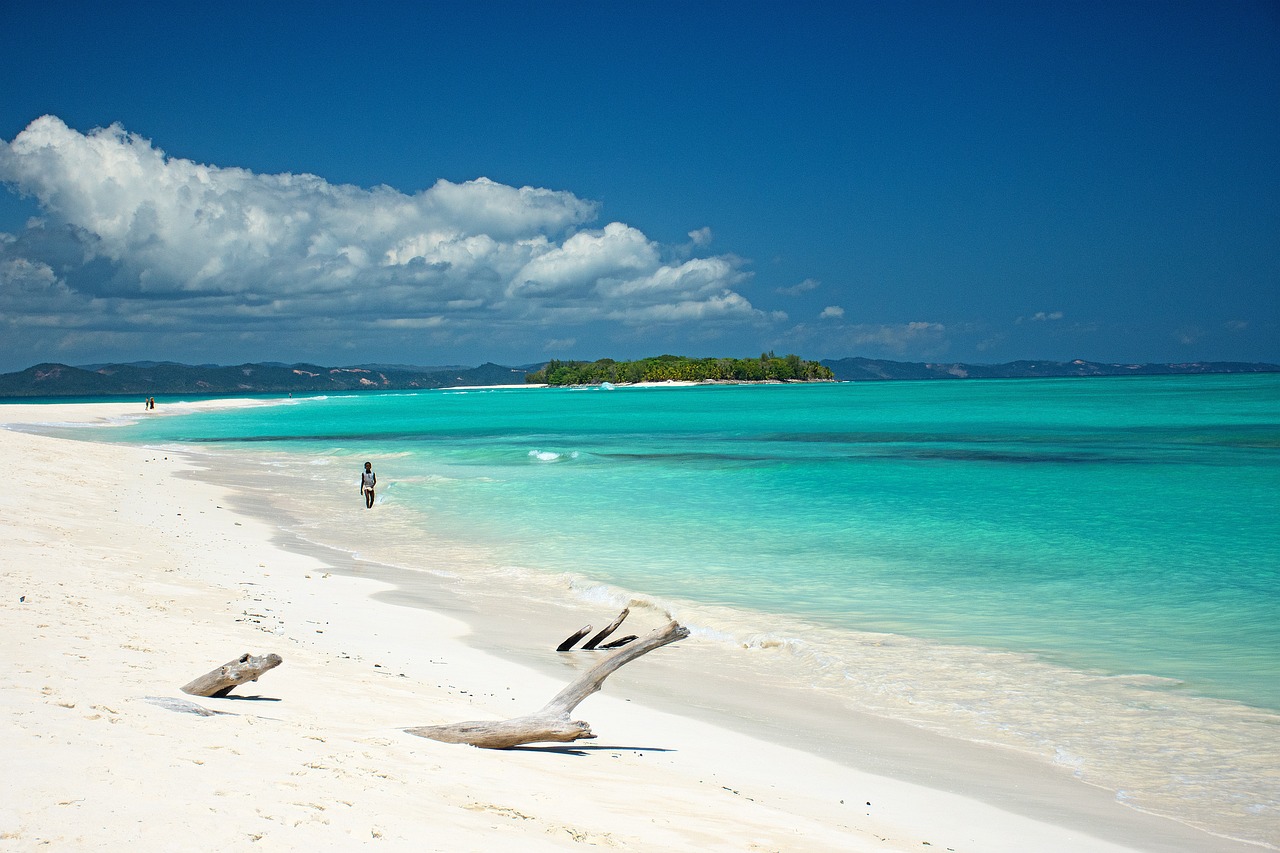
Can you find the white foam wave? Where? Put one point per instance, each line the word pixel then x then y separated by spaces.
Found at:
pixel 551 456
pixel 1063 758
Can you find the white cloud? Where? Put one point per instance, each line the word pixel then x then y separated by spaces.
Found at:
pixel 619 252
pixel 899 337
pixel 159 242
pixel 1041 317
pixel 831 312
pixel 410 323
pixel 727 305
pixel 797 289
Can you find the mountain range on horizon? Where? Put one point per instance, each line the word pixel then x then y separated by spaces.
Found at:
pixel 870 369
pixel 150 378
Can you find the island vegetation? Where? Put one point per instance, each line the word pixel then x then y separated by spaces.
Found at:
pixel 674 368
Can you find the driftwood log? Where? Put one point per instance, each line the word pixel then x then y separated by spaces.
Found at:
pixel 573 638
pixel 225 678
pixel 594 642
pixel 552 723
pixel 598 638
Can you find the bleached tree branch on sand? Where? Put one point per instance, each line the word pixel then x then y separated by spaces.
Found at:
pixel 222 680
pixel 552 723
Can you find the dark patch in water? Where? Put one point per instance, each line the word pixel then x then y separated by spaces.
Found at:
pixel 1020 458
pixel 693 458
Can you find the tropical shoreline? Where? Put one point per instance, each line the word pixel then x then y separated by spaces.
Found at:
pixel 163 550
pixel 744 689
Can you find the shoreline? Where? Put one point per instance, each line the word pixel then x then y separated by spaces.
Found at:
pixel 689 682
pixel 793 804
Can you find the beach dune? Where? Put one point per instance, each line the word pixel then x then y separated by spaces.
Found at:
pixel 122 581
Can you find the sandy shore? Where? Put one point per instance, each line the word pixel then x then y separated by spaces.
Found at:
pixel 123 579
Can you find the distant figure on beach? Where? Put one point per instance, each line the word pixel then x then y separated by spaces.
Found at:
pixel 150 403
pixel 367 481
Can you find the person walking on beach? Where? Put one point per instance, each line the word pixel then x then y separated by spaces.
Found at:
pixel 367 481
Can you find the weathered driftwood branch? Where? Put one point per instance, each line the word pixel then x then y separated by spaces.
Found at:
pixel 573 638
pixel 598 638
pixel 594 642
pixel 552 723
pixel 230 675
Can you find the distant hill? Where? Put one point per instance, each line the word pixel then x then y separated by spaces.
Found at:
pixel 167 378
pixel 869 369
pixel 151 378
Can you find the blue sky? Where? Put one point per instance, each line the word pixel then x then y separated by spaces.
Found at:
pixel 453 183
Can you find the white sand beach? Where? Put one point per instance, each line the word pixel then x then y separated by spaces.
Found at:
pixel 121 580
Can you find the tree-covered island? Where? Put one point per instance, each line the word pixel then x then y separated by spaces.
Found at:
pixel 674 368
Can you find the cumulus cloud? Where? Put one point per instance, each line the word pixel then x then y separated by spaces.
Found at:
pixel 153 241
pixel 797 289
pixel 576 265
pixel 832 312
pixel 33 290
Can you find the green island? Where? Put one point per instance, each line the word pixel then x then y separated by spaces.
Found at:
pixel 674 368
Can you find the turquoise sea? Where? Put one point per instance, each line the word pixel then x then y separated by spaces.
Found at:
pixel 1083 569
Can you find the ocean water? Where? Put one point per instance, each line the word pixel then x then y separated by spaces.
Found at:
pixel 1087 570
